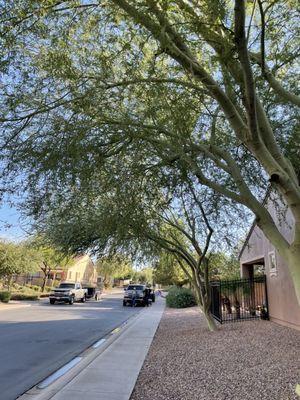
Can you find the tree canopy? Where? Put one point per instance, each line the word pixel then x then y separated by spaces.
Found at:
pixel 16 258
pixel 167 271
pixel 205 90
pixel 115 266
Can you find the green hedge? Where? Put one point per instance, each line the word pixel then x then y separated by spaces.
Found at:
pixel 5 296
pixel 180 298
pixel 24 296
pixel 36 288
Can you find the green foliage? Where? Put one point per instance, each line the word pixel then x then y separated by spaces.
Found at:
pixel 5 296
pixel 116 266
pixel 180 298
pixel 24 296
pixel 107 111
pixel 224 266
pixel 15 259
pixel 144 275
pixel 46 255
pixel 35 287
pixel 167 271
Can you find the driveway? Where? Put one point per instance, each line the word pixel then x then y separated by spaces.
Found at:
pixel 35 341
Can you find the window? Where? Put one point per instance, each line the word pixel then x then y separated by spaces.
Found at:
pixel 135 287
pixel 272 263
pixel 66 286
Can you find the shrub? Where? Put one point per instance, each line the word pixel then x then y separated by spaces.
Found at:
pixel 16 286
pixel 24 296
pixel 180 298
pixel 5 297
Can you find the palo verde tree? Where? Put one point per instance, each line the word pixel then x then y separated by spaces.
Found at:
pixel 137 211
pixel 208 87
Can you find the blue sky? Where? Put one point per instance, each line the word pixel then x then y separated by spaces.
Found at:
pixel 11 225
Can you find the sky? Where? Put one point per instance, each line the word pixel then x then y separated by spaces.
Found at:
pixel 11 225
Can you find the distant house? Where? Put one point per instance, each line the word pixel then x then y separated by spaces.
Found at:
pixel 259 254
pixel 81 270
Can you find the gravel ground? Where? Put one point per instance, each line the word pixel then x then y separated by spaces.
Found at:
pixel 246 360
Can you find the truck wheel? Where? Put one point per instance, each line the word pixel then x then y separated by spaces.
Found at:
pixel 52 301
pixel 71 301
pixel 83 299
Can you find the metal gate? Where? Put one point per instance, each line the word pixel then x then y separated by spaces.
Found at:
pixel 238 300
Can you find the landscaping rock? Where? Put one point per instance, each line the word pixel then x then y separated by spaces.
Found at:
pixel 241 361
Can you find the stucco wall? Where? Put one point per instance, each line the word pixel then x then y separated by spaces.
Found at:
pixel 283 305
pixel 83 270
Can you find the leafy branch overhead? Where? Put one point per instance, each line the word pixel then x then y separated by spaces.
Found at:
pixel 195 91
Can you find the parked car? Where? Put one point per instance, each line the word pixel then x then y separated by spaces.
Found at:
pixel 134 294
pixel 93 292
pixel 68 292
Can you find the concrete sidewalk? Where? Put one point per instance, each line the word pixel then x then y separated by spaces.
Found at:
pixel 113 373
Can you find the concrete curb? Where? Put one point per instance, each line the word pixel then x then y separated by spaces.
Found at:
pixel 101 370
pixel 87 356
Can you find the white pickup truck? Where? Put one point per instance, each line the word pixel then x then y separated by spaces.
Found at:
pixel 68 292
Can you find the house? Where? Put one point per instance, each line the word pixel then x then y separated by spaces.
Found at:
pixel 258 254
pixel 81 270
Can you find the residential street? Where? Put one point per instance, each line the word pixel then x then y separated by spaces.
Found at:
pixel 37 340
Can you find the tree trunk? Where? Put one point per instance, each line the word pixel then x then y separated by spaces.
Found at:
pixel 44 281
pixel 9 280
pixel 46 271
pixel 211 323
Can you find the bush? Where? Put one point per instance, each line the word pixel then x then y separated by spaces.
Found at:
pixel 16 286
pixel 5 297
pixel 24 296
pixel 180 298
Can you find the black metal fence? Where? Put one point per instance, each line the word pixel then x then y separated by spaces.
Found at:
pixel 238 300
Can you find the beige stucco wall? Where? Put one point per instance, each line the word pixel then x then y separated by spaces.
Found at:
pixel 283 305
pixel 83 270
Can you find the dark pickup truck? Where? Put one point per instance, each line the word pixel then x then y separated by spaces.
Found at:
pixel 135 295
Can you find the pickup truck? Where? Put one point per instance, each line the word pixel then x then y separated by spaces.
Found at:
pixel 68 292
pixel 136 292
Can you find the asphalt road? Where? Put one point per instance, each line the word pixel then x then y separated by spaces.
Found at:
pixel 35 341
